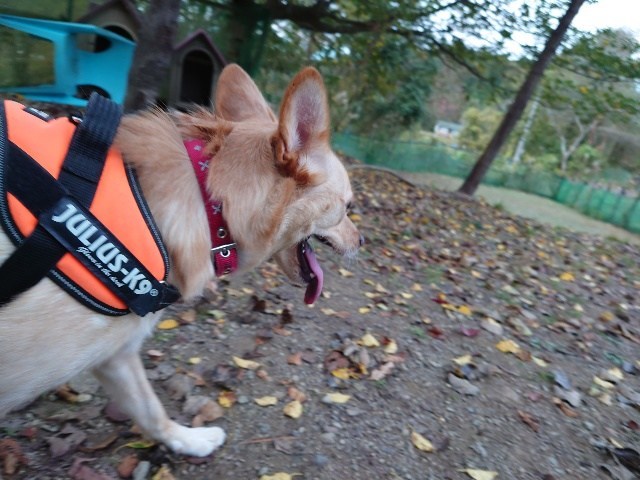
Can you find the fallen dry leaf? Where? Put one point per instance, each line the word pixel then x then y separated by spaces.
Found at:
pixel 567 277
pixel 280 476
pixel 127 465
pixel 295 359
pixel 163 474
pixel 390 346
pixel 80 471
pixel 11 456
pixel 508 346
pixel 528 420
pixel 295 394
pixel 293 409
pixel 382 371
pixel 479 474
pixel 337 398
pixel 168 324
pixel 246 364
pixel 227 398
pixel 421 443
pixel 266 401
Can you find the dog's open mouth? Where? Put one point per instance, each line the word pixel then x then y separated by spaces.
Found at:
pixel 310 271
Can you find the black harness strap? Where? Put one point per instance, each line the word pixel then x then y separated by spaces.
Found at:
pixel 76 187
pixel 80 173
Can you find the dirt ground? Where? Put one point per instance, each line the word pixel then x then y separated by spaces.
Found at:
pixel 503 348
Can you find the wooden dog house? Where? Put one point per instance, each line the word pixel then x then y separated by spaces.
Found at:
pixel 195 62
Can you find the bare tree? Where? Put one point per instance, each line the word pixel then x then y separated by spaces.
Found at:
pixel 520 101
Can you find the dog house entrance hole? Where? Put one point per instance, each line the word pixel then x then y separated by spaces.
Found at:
pixel 197 77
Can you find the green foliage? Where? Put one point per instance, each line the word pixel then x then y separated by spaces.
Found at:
pixel 478 127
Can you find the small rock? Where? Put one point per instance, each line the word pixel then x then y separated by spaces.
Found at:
pixel 320 461
pixel 463 386
pixel 141 472
pixel 179 386
pixel 328 437
pixel 572 397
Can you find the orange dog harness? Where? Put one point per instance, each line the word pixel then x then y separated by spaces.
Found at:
pixel 114 259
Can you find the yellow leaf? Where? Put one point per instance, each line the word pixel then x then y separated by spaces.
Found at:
pixel 512 229
pixel 416 287
pixel 421 443
pixel 266 401
pixel 602 383
pixel 345 273
pixel 342 373
pixel 464 310
pixel 368 340
pixel 246 364
pixel 217 314
pixel 406 296
pixel 226 399
pixel 615 443
pixel 381 289
pixel 336 398
pixel 168 324
pixel 567 277
pixel 463 360
pixel 280 476
pixel 371 295
pixel 293 409
pixel 615 374
pixel 368 281
pixel 139 444
pixel 328 311
pixel 607 317
pixel 364 310
pixel 479 474
pixel 195 360
pixel 391 347
pixel 163 474
pixel 355 217
pixel 448 306
pixel 539 362
pixel 508 346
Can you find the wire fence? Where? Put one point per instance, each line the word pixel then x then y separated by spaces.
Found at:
pixel 620 208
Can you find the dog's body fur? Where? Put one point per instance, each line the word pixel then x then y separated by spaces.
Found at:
pixel 279 183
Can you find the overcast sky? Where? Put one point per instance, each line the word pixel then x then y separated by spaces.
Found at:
pixel 610 13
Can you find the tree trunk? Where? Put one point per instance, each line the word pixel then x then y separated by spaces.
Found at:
pixel 152 57
pixel 567 151
pixel 514 113
pixel 526 130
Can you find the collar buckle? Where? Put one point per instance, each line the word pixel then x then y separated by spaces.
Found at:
pixel 223 250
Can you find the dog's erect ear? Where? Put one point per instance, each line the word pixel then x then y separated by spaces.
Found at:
pixel 238 98
pixel 304 114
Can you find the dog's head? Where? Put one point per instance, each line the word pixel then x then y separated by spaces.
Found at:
pixel 279 180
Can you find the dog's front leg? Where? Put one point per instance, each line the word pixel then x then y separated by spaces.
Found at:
pixel 124 379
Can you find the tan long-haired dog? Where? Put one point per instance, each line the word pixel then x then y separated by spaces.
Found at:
pixel 280 184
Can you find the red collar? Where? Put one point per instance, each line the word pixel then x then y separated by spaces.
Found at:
pixel 224 253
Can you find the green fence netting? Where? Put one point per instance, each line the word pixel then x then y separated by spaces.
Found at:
pixel 619 208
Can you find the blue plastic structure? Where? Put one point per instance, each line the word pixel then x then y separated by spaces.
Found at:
pixel 76 72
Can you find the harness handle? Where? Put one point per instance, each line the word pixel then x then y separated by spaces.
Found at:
pixel 38 254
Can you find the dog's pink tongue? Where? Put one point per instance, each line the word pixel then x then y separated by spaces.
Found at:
pixel 312 273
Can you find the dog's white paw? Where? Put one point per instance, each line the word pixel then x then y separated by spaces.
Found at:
pixel 197 442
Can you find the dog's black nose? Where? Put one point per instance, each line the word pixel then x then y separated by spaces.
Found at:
pixel 361 240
